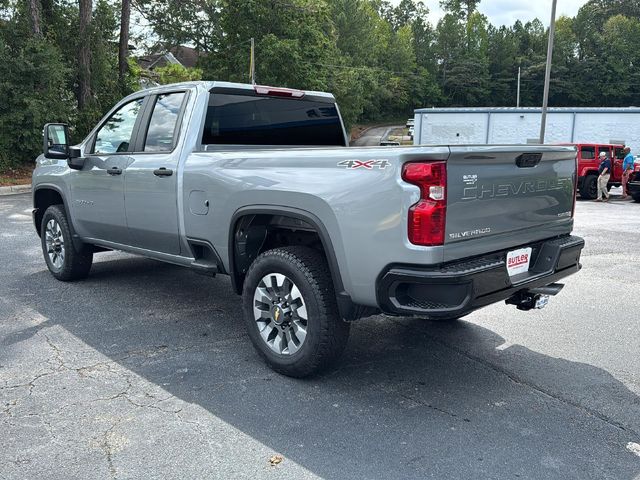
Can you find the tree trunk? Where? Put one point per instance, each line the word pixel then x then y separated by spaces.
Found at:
pixel 84 55
pixel 123 48
pixel 34 14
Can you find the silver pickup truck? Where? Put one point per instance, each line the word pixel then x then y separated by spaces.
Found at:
pixel 258 183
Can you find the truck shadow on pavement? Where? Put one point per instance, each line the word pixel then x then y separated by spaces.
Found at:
pixel 409 399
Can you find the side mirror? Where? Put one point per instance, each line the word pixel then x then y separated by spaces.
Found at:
pixel 56 141
pixel 75 160
pixel 56 145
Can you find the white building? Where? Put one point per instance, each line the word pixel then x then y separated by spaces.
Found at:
pixel 522 125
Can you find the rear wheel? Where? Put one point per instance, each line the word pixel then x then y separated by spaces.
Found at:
pixel 636 197
pixel 589 189
pixel 64 260
pixel 291 313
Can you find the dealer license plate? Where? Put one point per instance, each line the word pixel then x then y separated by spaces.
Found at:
pixel 518 261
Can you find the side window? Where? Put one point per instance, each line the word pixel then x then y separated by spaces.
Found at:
pixel 606 150
pixel 162 126
pixel 619 153
pixel 115 135
pixel 588 153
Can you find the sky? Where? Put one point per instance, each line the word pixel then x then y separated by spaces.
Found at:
pixel 506 12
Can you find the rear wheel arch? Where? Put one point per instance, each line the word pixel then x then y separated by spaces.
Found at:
pixel 252 225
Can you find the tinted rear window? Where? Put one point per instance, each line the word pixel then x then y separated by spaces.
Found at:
pixel 250 120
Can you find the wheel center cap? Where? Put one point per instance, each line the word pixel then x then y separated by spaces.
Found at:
pixel 277 314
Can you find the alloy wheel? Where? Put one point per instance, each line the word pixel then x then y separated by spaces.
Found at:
pixel 280 313
pixel 54 241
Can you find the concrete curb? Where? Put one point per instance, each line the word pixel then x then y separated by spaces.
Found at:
pixel 15 189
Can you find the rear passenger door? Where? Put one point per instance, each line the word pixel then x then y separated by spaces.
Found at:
pixel 151 180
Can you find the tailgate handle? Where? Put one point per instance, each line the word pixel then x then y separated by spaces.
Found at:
pixel 528 160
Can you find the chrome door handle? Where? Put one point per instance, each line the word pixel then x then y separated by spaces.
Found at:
pixel 163 172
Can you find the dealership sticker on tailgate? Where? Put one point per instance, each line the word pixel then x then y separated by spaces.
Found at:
pixel 518 261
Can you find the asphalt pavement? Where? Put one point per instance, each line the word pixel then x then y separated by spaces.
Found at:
pixel 374 135
pixel 144 371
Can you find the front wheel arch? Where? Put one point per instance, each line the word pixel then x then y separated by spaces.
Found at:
pixel 45 196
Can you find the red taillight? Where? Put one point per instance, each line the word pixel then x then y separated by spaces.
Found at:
pixel 575 189
pixel 278 92
pixel 427 218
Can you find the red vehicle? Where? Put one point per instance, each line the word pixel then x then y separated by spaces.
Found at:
pixel 588 163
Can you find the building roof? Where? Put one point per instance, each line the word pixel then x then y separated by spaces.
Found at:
pixel 529 110
pixel 185 56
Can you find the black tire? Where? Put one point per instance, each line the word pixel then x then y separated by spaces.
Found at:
pixel 589 189
pixel 326 332
pixel 636 197
pixel 75 264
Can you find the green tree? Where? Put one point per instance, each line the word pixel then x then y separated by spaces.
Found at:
pixel 503 66
pixel 531 41
pixel 621 51
pixel 463 9
pixel 178 22
pixel 463 49
pixel 175 73
pixel 34 90
pixel 565 83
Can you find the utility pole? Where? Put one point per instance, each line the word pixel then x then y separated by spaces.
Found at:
pixel 252 62
pixel 518 95
pixel 547 73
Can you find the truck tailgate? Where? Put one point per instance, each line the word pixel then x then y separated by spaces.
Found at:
pixel 493 191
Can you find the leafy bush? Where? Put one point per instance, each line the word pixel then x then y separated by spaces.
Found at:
pixel 33 89
pixel 175 73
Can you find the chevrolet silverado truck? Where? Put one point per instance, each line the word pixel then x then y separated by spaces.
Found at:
pixel 258 183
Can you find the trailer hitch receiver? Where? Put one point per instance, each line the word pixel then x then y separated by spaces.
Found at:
pixel 534 298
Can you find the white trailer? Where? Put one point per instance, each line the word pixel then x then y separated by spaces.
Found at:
pixel 522 125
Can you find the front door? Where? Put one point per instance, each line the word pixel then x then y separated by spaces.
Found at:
pixel 98 189
pixel 152 178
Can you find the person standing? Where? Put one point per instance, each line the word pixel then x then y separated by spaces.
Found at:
pixel 627 169
pixel 603 179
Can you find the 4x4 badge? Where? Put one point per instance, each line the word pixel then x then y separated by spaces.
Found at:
pixel 366 164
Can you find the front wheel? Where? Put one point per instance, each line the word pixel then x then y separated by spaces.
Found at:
pixel 291 312
pixel 65 262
